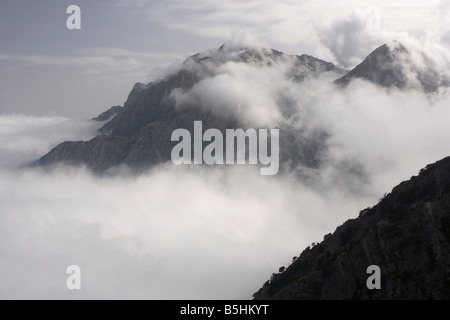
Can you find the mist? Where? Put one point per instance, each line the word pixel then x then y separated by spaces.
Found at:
pixel 149 236
pixel 25 138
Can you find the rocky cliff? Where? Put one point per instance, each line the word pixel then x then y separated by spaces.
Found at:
pixel 407 234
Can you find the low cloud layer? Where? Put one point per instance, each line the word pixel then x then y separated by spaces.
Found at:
pixel 212 236
pixel 151 236
pixel 25 138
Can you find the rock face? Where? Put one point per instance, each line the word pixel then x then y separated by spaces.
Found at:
pixel 109 114
pixel 139 135
pixel 394 65
pixel 407 234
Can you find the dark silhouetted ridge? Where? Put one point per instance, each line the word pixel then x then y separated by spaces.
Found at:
pixel 407 234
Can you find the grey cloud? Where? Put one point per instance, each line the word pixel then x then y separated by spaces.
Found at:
pixel 220 239
pixel 349 40
pixel 446 38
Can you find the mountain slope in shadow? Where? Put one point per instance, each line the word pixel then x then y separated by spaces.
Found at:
pixel 407 234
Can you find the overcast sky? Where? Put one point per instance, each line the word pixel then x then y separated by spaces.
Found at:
pixel 46 69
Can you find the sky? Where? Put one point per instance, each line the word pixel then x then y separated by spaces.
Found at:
pixel 184 232
pixel 80 73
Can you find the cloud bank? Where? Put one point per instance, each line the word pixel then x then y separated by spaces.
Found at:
pixel 25 138
pixel 212 236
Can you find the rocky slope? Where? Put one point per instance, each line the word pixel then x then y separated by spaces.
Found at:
pixel 407 234
pixel 109 114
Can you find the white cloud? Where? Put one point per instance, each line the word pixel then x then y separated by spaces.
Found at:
pixel 350 41
pixel 220 239
pixel 392 133
pixel 240 91
pixel 283 21
pixel 24 138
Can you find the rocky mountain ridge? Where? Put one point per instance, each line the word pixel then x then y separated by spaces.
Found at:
pixel 407 234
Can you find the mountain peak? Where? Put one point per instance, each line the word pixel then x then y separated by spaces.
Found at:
pixel 297 67
pixel 233 52
pixel 140 135
pixel 396 65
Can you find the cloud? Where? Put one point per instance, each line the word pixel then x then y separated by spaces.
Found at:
pixel 122 64
pixel 283 21
pixel 294 23
pixel 220 239
pixel 260 93
pixel 239 91
pixel 216 233
pixel 350 41
pixel 392 133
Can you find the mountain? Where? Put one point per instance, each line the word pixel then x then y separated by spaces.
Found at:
pixel 139 134
pixel 109 114
pixel 407 234
pixel 394 65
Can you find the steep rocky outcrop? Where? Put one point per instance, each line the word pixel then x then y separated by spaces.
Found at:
pixel 407 234
pixel 109 114
pixel 394 65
